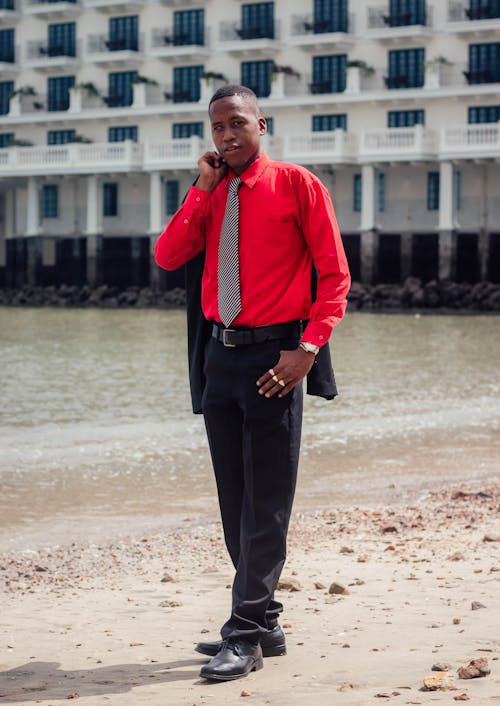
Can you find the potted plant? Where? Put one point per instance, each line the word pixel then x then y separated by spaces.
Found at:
pixel 286 70
pixel 144 79
pixel 19 142
pixel 80 138
pixel 89 88
pixel 210 76
pixel 364 68
pixel 24 91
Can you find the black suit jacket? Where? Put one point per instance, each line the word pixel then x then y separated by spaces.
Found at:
pixel 320 380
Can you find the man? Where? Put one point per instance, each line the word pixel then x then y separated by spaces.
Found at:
pixel 262 224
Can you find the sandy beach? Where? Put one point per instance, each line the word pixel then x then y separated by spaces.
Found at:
pixel 115 622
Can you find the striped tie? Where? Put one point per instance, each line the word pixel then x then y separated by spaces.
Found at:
pixel 228 268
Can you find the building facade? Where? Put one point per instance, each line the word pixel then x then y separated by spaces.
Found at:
pixel 103 115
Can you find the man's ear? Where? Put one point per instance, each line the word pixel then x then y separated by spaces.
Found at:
pixel 262 125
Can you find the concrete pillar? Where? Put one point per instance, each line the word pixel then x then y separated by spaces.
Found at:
pixel 156 202
pixel 369 237
pixel 406 254
pixel 94 260
pixel 33 208
pixel 94 223
pixel 447 237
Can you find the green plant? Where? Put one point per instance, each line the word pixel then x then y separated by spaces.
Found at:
pixel 19 142
pixel 213 75
pixel 89 88
pixel 287 70
pixel 436 62
pixel 144 79
pixel 24 91
pixel 365 69
pixel 80 138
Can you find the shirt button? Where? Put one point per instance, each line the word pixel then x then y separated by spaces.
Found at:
pixel 186 221
pixel 198 198
pixel 321 338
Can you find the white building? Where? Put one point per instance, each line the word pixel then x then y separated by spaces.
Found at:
pixel 103 115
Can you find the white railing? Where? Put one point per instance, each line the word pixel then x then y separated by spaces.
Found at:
pixel 182 150
pixel 320 147
pixel 398 142
pixel 473 140
pixel 71 158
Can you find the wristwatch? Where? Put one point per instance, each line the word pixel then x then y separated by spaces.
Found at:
pixel 309 347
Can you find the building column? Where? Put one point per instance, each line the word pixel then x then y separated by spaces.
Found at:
pixel 33 208
pixel 156 225
pixel 93 232
pixel 369 236
pixel 447 236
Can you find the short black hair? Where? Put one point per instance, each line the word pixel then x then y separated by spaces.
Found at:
pixel 234 89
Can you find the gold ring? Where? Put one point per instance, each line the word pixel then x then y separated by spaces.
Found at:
pixel 282 383
pixel 275 378
pixel 271 372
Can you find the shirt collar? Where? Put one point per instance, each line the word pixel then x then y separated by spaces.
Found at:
pixel 254 171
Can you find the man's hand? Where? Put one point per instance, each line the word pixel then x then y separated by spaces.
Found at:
pixel 291 368
pixel 212 170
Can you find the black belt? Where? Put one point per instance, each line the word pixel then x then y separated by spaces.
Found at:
pixel 232 337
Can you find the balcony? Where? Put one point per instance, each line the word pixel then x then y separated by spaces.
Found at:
pixel 45 57
pixel 248 40
pixel 110 7
pixel 9 13
pixel 178 3
pixel 169 46
pixel 53 9
pixel 335 147
pixel 480 76
pixel 470 141
pixel 72 158
pixel 483 21
pixel 106 51
pixel 389 28
pixel 310 35
pixel 401 144
pixel 182 153
pixel 8 65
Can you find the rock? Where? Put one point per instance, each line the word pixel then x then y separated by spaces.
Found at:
pixel 456 556
pixel 168 579
pixel 362 559
pixel 475 669
pixel 440 667
pixel 389 528
pixel 475 605
pixel 456 621
pixel 246 693
pixel 320 586
pixel 289 584
pixel 338 588
pixel 461 697
pixel 345 687
pixel 170 604
pixel 441 681
pixel 346 550
pixel 491 538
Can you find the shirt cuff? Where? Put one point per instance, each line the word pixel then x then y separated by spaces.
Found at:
pixel 317 333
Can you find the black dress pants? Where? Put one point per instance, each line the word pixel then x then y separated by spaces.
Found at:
pixel 254 443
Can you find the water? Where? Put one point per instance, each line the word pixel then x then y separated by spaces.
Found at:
pixel 96 424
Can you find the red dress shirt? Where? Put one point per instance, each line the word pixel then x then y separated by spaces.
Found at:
pixel 286 222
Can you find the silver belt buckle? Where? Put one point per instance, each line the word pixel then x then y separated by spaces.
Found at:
pixel 224 337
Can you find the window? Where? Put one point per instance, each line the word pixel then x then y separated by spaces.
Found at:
pixel 189 27
pixel 6 90
pixel 60 137
pixel 58 92
pixel 406 68
pixel 50 201
pixel 381 191
pixel 257 20
pixel 484 63
pixel 7 5
pixel 120 88
pixel 406 12
pixel 329 73
pixel 457 188
pixel 270 126
pixel 187 84
pixel 7 51
pixel 336 121
pixel 123 33
pixel 330 16
pixel 483 9
pixel 62 39
pixel 433 191
pixel 357 185
pixel 110 199
pixel 257 76
pixel 171 196
pixel 120 134
pixel 484 114
pixel 6 138
pixel 405 118
pixel 187 129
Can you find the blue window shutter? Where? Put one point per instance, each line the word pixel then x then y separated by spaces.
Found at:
pixel 187 83
pixel 110 199
pixel 6 138
pixel 357 186
pixel 433 191
pixel 257 76
pixel 62 39
pixel 381 191
pixel 50 201
pixel 329 73
pixel 123 33
pixel 6 91
pixel 58 92
pixel 335 121
pixel 189 27
pixel 330 16
pixel 122 133
pixel 257 20
pixel 7 46
pixel 180 130
pixel 120 87
pixel 171 196
pixel 60 137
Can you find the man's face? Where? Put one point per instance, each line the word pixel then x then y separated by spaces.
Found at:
pixel 236 131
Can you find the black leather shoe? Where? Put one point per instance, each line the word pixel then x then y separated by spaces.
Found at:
pixel 236 659
pixel 272 642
